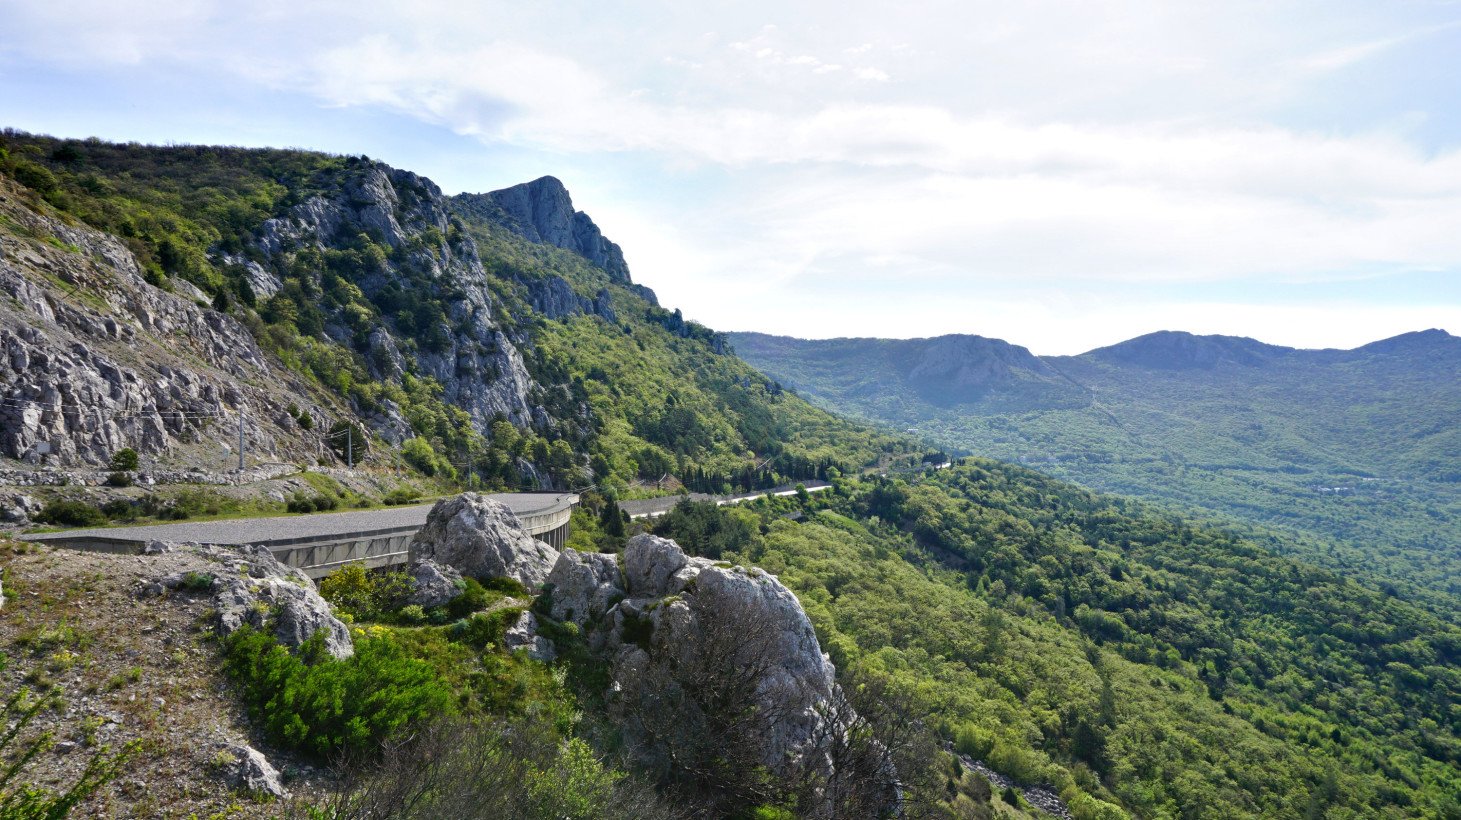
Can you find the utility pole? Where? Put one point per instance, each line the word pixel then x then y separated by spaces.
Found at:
pixel 350 446
pixel 240 439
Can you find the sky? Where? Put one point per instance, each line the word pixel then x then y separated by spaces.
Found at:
pixel 1061 175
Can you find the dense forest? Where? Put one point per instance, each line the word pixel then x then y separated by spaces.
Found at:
pixel 1344 458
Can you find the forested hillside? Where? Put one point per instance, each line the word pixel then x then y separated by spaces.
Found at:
pixel 481 356
pixel 1135 662
pixel 1351 454
pixel 1118 652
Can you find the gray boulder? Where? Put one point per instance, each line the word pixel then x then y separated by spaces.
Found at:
pixel 433 584
pixel 255 589
pixel 524 636
pixel 690 616
pixel 649 564
pixel 585 585
pixel 18 509
pixel 482 538
pixel 245 769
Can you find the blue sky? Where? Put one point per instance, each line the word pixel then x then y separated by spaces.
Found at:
pixel 1060 175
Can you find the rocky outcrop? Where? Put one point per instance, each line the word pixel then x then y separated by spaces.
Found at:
pixel 478 366
pixel 584 586
pixel 250 587
pixel 245 769
pixel 482 538
pixel 541 211
pixel 554 298
pixel 685 618
pixel 523 636
pixel 93 358
pixel 17 509
pixel 433 584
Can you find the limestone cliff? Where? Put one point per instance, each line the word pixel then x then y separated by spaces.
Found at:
pixel 476 361
pixel 541 211
pixel 93 358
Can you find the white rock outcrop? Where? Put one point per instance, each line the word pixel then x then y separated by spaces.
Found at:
pixel 246 769
pixel 667 605
pixel 585 585
pixel 433 584
pixel 250 587
pixel 523 635
pixel 482 538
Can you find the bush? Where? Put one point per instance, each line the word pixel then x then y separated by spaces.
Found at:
pixel 485 629
pixel 473 598
pixel 319 502
pixel 119 480
pixel 124 460
pixel 365 595
pixel 119 509
pixel 401 495
pixel 322 706
pixel 71 514
pixel 419 453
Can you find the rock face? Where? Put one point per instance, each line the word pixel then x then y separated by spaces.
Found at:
pixel 94 359
pixel 585 586
pixel 433 584
pixel 245 769
pixel 250 587
pixel 542 211
pixel 482 538
pixel 475 361
pixel 682 613
pixel 16 510
pixel 553 297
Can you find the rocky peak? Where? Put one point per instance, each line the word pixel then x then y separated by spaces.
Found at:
pixel 477 364
pixel 541 211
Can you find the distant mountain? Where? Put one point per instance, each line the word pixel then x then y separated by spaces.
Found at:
pixel 947 371
pixel 1356 447
pixel 1180 351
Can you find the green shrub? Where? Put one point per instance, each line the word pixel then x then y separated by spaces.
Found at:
pixel 401 495
pixel 473 598
pixel 119 509
pixel 71 514
pixel 365 595
pixel 322 706
pixel 124 460
pixel 485 629
pixel 302 503
pixel 507 586
pixel 35 177
pixel 119 480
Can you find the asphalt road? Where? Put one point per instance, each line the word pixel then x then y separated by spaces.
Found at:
pixel 263 530
pixel 653 507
